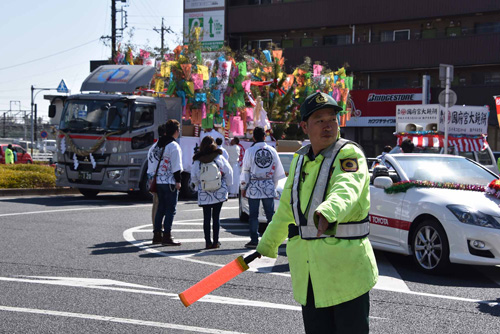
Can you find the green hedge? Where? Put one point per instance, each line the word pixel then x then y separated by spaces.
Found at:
pixel 27 176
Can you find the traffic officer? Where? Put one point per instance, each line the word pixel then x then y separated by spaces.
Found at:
pixel 324 212
pixel 9 155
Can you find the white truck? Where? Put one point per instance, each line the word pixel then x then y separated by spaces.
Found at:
pixel 467 129
pixel 103 136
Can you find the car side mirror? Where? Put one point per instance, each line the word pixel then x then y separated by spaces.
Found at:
pixel 382 182
pixel 112 112
pixel 52 110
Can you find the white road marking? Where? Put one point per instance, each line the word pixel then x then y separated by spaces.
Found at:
pixel 223 208
pixel 114 319
pixel 120 286
pixel 389 278
pixel 75 209
pixel 201 230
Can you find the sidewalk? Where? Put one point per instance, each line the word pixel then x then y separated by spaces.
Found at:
pixel 37 191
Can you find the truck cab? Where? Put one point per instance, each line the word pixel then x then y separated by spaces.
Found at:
pixel 103 138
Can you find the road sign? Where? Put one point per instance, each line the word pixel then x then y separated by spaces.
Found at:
pixel 452 98
pixel 62 88
pixel 442 72
pixel 44 134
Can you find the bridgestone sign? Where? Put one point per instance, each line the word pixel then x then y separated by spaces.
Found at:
pixel 394 97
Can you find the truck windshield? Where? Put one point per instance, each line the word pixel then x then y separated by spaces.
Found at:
pixel 94 116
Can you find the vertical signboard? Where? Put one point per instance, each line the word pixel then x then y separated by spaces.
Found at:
pixel 212 27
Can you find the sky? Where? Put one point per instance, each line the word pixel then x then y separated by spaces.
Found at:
pixel 46 41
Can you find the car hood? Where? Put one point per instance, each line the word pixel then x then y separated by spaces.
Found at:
pixel 476 199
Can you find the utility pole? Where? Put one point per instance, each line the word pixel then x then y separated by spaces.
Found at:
pixel 116 32
pixel 161 32
pixel 113 29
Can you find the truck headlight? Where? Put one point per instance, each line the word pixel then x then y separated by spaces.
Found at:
pixel 115 174
pixel 468 215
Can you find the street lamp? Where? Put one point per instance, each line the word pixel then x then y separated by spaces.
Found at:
pixel 32 109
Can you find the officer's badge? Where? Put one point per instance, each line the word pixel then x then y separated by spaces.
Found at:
pixel 349 165
pixel 320 99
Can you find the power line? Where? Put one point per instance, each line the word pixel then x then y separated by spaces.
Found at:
pixel 52 55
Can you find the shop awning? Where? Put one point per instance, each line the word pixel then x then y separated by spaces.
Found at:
pixel 462 143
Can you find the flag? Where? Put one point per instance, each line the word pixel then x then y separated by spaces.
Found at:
pixel 497 102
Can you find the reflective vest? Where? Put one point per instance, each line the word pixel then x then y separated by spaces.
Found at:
pixel 306 225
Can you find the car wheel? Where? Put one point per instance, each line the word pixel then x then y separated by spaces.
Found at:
pixel 29 162
pixel 431 250
pixel 88 193
pixel 243 216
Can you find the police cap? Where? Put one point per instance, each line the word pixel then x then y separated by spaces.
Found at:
pixel 315 102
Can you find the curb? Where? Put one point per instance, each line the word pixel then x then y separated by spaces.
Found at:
pixel 37 191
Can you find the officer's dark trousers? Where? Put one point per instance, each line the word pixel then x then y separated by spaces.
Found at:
pixel 347 318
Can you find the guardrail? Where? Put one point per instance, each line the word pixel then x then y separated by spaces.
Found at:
pixel 43 157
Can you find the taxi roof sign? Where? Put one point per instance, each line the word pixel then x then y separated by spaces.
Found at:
pixel 118 78
pixel 62 88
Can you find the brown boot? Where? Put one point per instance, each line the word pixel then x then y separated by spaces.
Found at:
pixel 168 241
pixel 156 238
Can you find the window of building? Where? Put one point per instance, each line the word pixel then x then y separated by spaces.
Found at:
pixel 259 44
pixel 485 78
pixel 306 41
pixel 392 82
pixel 387 36
pixel 488 27
pixel 337 40
pixel 402 35
pixel 287 43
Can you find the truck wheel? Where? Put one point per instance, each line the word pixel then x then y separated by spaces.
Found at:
pixel 88 193
pixel 143 188
pixel 187 190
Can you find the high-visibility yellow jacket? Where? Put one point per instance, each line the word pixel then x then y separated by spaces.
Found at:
pixel 340 269
pixel 9 156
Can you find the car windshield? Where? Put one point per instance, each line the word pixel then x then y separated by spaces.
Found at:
pixel 92 116
pixel 286 160
pixel 444 169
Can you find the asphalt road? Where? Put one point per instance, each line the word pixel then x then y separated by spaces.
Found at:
pixel 73 265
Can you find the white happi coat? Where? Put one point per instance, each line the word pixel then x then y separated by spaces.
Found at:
pixel 261 171
pixel 219 195
pixel 171 162
pixel 234 160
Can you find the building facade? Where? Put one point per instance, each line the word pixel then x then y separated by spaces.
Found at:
pixel 387 44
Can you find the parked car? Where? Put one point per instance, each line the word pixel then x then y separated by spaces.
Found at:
pixel 435 225
pixel 485 157
pixel 286 160
pixel 23 157
pixel 48 146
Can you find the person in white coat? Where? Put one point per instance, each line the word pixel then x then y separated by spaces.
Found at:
pixel 234 160
pixel 261 171
pixel 211 201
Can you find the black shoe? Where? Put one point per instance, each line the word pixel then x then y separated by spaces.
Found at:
pixel 251 245
pixel 208 245
pixel 157 238
pixel 168 240
pixel 215 245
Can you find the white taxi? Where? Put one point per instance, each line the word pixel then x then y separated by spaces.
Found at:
pixel 417 209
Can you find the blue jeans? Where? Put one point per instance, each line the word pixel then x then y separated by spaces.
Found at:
pixel 167 202
pixel 213 211
pixel 253 208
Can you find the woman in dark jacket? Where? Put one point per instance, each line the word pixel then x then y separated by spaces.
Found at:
pixel 211 201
